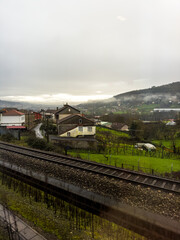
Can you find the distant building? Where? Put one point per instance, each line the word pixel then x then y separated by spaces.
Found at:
pixel 12 117
pixel 166 109
pixel 120 126
pixel 51 114
pixel 37 116
pixel 106 124
pixel 65 111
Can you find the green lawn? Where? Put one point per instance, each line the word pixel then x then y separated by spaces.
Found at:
pixel 167 143
pixel 158 164
pixel 101 130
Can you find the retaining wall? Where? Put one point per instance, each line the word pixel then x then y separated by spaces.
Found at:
pixel 145 223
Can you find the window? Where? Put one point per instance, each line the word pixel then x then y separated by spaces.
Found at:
pixel 80 121
pixel 80 129
pixel 68 134
pixel 89 129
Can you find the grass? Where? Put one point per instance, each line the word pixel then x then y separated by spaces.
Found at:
pixel 100 131
pixel 167 143
pixel 158 164
pixel 66 223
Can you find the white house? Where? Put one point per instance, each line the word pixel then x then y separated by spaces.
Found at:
pixel 76 125
pixel 80 131
pixel 12 117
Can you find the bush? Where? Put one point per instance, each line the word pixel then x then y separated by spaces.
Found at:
pixel 7 137
pixel 41 144
pixel 36 143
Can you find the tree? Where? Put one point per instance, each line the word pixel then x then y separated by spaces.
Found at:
pixel 137 130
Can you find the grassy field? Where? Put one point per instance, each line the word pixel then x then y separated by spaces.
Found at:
pixel 55 218
pixel 159 165
pixel 167 143
pixel 100 131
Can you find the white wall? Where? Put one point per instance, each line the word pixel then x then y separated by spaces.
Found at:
pixel 12 120
pixel 76 131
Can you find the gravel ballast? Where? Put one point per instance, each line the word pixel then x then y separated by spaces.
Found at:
pixel 167 204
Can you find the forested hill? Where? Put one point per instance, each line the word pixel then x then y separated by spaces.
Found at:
pixel 165 96
pixel 172 89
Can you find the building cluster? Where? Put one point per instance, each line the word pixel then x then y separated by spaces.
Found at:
pixel 18 119
pixel 69 121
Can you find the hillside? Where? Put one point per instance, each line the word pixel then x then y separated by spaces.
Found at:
pixel 22 105
pixel 142 101
pixel 172 89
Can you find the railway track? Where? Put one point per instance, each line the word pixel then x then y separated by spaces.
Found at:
pixel 133 177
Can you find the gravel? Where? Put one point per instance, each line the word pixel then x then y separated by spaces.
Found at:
pixel 167 204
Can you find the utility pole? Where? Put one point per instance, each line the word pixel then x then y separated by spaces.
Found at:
pixel 47 128
pixel 28 121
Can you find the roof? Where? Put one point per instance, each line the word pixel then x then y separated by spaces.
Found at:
pixel 50 111
pixel 15 127
pixel 66 106
pixel 12 112
pixel 72 116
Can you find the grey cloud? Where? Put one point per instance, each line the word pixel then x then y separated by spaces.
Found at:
pixel 79 47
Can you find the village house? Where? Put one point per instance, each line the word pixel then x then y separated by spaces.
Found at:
pixel 70 123
pixel 12 118
pixel 65 111
pixel 120 126
pixel 49 113
pixel 74 129
pixel 76 125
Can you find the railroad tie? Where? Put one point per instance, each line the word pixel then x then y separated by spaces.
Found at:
pixel 136 178
pixel 128 176
pixel 144 180
pixel 163 184
pixel 119 175
pixel 154 182
pixel 173 187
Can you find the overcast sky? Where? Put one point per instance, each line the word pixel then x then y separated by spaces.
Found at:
pixel 71 50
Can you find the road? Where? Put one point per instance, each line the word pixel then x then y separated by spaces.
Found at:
pixel 38 131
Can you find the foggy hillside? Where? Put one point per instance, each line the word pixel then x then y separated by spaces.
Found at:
pixel 141 100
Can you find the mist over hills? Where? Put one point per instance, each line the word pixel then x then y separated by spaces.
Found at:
pixel 23 105
pixel 172 88
pixel 139 100
pixel 145 100
pixel 161 95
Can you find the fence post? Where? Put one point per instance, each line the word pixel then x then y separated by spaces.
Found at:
pixel 122 165
pixel 171 167
pixel 152 171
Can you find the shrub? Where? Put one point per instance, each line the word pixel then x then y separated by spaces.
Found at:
pixel 7 137
pixel 36 143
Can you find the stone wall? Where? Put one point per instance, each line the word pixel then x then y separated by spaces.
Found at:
pixel 14 133
pixel 75 143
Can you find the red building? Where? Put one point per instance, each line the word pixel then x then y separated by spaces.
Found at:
pixel 37 116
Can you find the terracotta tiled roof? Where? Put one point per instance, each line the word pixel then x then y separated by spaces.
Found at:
pixel 12 113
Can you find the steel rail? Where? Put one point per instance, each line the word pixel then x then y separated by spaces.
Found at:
pixel 133 177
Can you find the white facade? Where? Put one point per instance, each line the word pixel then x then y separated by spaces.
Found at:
pixel 80 131
pixel 12 120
